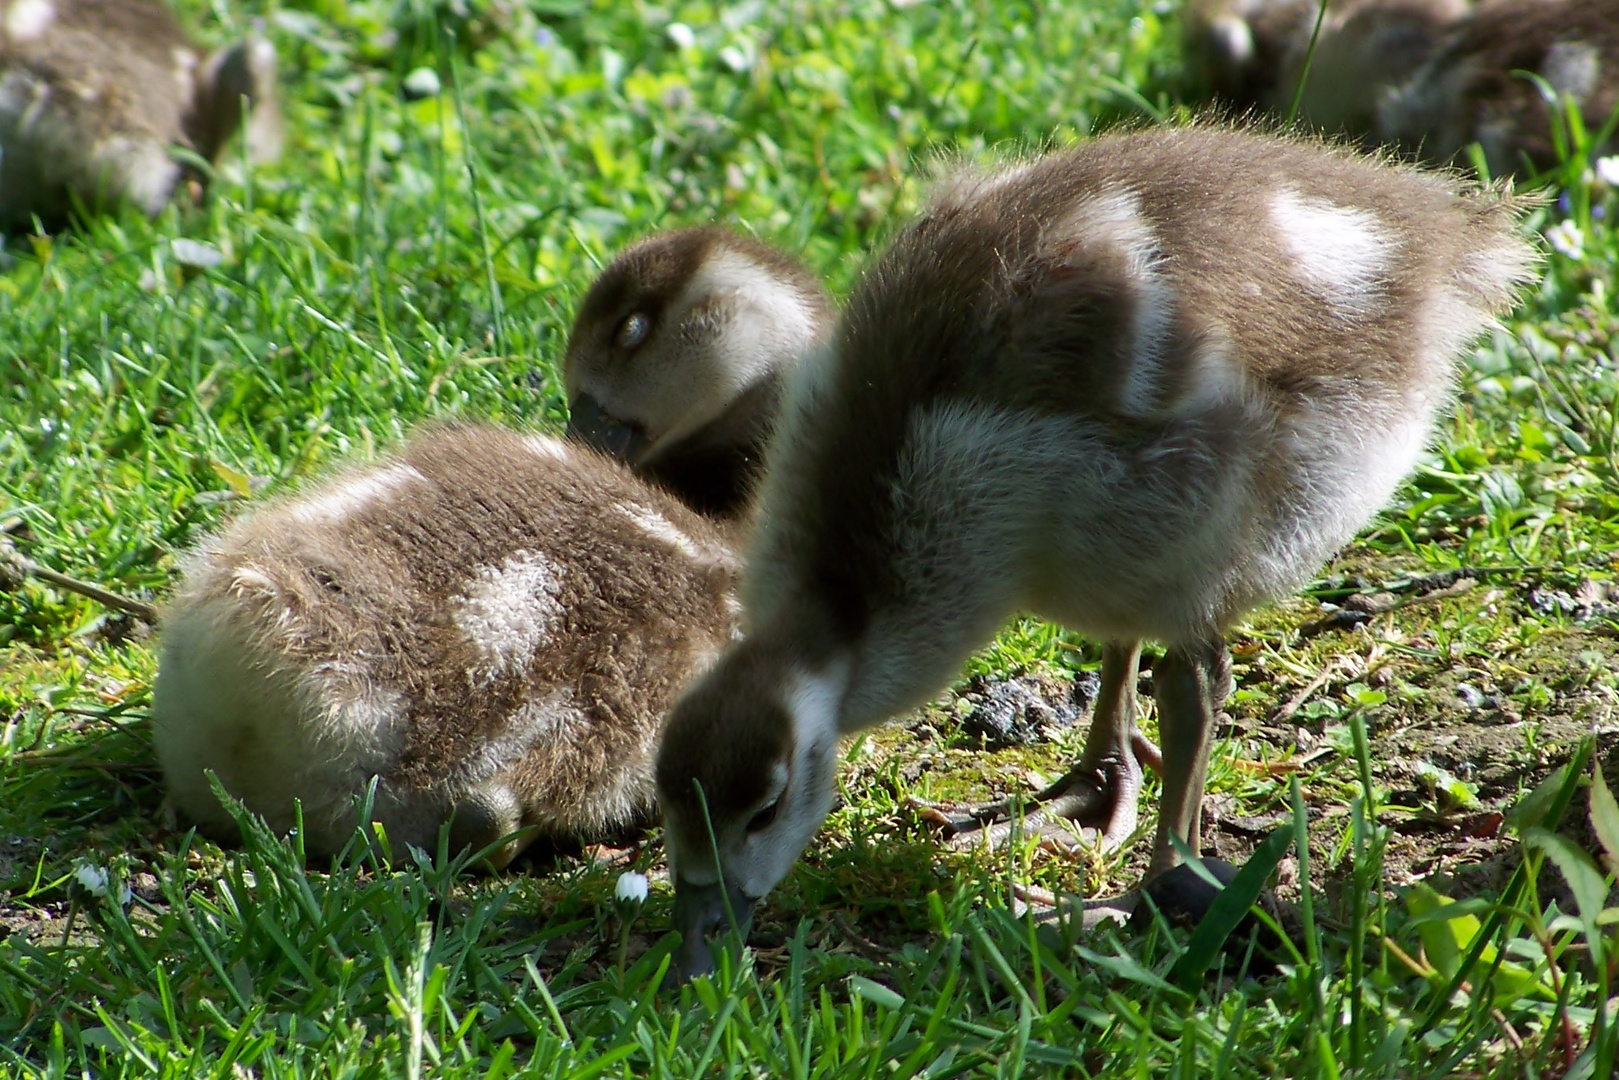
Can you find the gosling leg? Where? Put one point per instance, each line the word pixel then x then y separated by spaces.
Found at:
pixel 1100 794
pixel 1190 684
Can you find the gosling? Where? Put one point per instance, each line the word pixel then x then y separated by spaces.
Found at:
pixel 679 355
pixel 1472 89
pixel 1253 54
pixel 492 624
pixel 1139 387
pixel 95 95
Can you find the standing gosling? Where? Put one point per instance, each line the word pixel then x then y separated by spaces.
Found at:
pixel 679 354
pixel 1139 387
pixel 1473 88
pixel 95 93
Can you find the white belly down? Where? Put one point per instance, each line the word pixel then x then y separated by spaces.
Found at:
pixel 1171 537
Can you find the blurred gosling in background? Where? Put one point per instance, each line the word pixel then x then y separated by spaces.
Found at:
pixel 95 96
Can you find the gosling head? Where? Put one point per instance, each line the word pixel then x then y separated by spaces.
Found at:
pixel 732 829
pixel 1364 51
pixel 1236 45
pixel 243 72
pixel 678 355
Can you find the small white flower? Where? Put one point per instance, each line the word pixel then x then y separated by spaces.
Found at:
pixel 1608 170
pixel 735 59
pixel 422 83
pixel 93 878
pixel 631 888
pixel 1567 238
pixel 195 253
pixel 96 882
pixel 628 895
pixel 681 34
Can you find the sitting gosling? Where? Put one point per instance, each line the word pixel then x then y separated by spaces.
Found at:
pixel 493 624
pixel 95 93
pixel 679 354
pixel 1473 88
pixel 1139 387
pixel 1253 54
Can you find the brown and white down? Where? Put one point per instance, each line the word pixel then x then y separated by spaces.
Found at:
pixel 96 94
pixel 1252 54
pixel 1139 387
pixel 1472 88
pixel 491 623
pixel 679 354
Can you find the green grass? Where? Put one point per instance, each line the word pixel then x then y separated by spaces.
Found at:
pixel 415 259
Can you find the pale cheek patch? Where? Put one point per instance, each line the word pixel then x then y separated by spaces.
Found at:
pixel 781 312
pixel 1231 42
pixel 510 611
pixel 735 324
pixel 27 20
pixel 813 700
pixel 348 497
pixel 1341 254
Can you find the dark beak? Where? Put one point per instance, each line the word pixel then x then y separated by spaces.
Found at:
pixel 592 425
pixel 701 913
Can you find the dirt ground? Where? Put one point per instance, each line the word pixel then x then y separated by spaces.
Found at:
pixel 1466 729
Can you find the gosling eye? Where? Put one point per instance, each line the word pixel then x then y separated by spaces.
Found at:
pixel 764 817
pixel 632 331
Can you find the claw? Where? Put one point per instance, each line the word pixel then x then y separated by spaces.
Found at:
pixel 1046 907
pixel 1095 803
pixel 1147 752
pixel 1087 807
